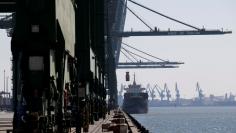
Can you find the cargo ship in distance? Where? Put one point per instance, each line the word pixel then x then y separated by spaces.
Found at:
pixel 135 99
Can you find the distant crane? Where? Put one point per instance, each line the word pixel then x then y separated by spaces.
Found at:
pixel 230 98
pixel 226 96
pixel 200 93
pixel 152 93
pixel 160 92
pixel 147 88
pixel 168 95
pixel 177 93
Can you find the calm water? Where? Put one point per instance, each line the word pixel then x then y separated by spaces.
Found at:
pixel 189 119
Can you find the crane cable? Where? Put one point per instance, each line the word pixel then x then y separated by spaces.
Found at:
pixel 127 51
pixel 126 56
pixel 136 15
pixel 137 55
pixel 165 15
pixel 139 18
pixel 144 52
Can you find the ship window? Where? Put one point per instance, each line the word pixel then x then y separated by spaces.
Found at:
pixel 36 63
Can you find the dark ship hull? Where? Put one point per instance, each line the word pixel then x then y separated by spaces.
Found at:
pixel 135 103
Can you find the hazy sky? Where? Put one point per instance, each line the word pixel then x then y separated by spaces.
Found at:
pixel 208 59
pixel 5 55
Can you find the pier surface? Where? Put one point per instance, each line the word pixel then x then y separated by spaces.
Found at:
pixel 116 121
pixel 5 121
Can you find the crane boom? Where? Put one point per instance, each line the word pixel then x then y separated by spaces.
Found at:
pixel 146 66
pixel 196 31
pixel 149 63
pixel 170 33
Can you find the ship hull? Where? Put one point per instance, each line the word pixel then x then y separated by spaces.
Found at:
pixel 135 103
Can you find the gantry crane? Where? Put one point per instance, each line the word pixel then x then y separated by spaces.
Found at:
pixel 147 88
pixel 200 92
pixel 177 94
pixel 158 32
pixel 168 95
pixel 230 98
pixel 152 93
pixel 136 60
pixel 160 91
pixel 10 6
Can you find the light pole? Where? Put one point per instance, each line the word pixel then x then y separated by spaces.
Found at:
pixel 4 82
pixel 7 84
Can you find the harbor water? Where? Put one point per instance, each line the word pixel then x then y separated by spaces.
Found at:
pixel 189 119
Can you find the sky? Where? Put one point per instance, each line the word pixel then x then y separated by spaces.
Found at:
pixel 208 60
pixel 5 58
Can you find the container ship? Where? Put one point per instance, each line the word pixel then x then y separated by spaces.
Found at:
pixel 135 99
